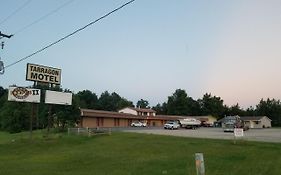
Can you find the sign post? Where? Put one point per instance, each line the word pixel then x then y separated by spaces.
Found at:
pixel 31 120
pixel 44 74
pixel 22 94
pixel 199 162
pixel 59 98
pixel 49 120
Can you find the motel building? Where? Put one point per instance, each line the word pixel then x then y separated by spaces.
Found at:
pixel 123 118
pixel 257 121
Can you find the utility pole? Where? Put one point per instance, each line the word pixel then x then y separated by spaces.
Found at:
pixel 2 35
pixel 2 70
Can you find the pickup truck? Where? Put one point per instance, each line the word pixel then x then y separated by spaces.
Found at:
pixel 171 125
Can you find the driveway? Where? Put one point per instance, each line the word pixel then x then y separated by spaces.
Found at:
pixel 263 135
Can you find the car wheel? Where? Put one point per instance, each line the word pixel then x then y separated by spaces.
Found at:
pixel 172 128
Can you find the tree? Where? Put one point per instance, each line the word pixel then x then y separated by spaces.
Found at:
pixel 14 117
pixel 160 109
pixel 87 99
pixel 105 102
pixel 66 115
pixel 2 91
pixel 122 103
pixel 142 103
pixel 270 108
pixel 211 105
pixel 112 102
pixel 3 96
pixel 180 104
pixel 235 110
pixel 250 111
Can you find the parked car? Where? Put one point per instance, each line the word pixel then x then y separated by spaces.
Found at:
pixel 138 124
pixel 171 125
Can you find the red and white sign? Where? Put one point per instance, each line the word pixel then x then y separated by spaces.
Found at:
pixel 22 94
pixel 238 132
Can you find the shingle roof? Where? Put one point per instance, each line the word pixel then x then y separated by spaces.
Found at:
pixel 106 114
pixel 110 114
pixel 168 117
pixel 142 109
pixel 254 118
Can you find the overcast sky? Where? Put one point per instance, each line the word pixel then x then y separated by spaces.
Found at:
pixel 149 49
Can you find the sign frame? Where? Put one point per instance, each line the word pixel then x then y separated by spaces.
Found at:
pixel 59 98
pixel 41 73
pixel 23 94
pixel 238 132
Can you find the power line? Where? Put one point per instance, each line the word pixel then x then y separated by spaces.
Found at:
pixel 43 17
pixel 65 37
pixel 15 12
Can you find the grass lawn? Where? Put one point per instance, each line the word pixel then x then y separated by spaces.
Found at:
pixel 133 154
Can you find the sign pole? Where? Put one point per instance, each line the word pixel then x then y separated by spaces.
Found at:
pixel 31 121
pixel 199 162
pixel 49 120
pixel 238 132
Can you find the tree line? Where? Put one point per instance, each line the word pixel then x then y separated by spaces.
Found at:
pixel 14 116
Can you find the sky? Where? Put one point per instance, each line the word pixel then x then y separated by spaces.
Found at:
pixel 148 49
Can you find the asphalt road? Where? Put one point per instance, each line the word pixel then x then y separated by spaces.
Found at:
pixel 262 135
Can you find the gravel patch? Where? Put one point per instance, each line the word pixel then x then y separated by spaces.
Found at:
pixel 262 135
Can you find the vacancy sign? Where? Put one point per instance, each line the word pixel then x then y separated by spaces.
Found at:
pixel 22 94
pixel 238 132
pixel 60 98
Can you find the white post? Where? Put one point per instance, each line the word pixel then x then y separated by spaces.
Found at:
pixel 199 162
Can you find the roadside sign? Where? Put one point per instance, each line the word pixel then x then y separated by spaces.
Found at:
pixel 22 94
pixel 60 98
pixel 39 73
pixel 199 162
pixel 238 132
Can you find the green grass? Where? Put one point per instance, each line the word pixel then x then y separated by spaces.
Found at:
pixel 133 154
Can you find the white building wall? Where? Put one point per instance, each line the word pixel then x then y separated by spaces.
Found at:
pixel 211 119
pixel 128 111
pixel 266 122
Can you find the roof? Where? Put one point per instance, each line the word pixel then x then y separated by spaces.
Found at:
pixel 110 114
pixel 168 117
pixel 230 117
pixel 203 117
pixel 106 114
pixel 247 118
pixel 254 118
pixel 142 109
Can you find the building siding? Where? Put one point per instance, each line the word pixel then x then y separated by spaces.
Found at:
pixel 97 118
pixel 263 122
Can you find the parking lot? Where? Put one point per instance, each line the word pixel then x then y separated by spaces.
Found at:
pixel 263 135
